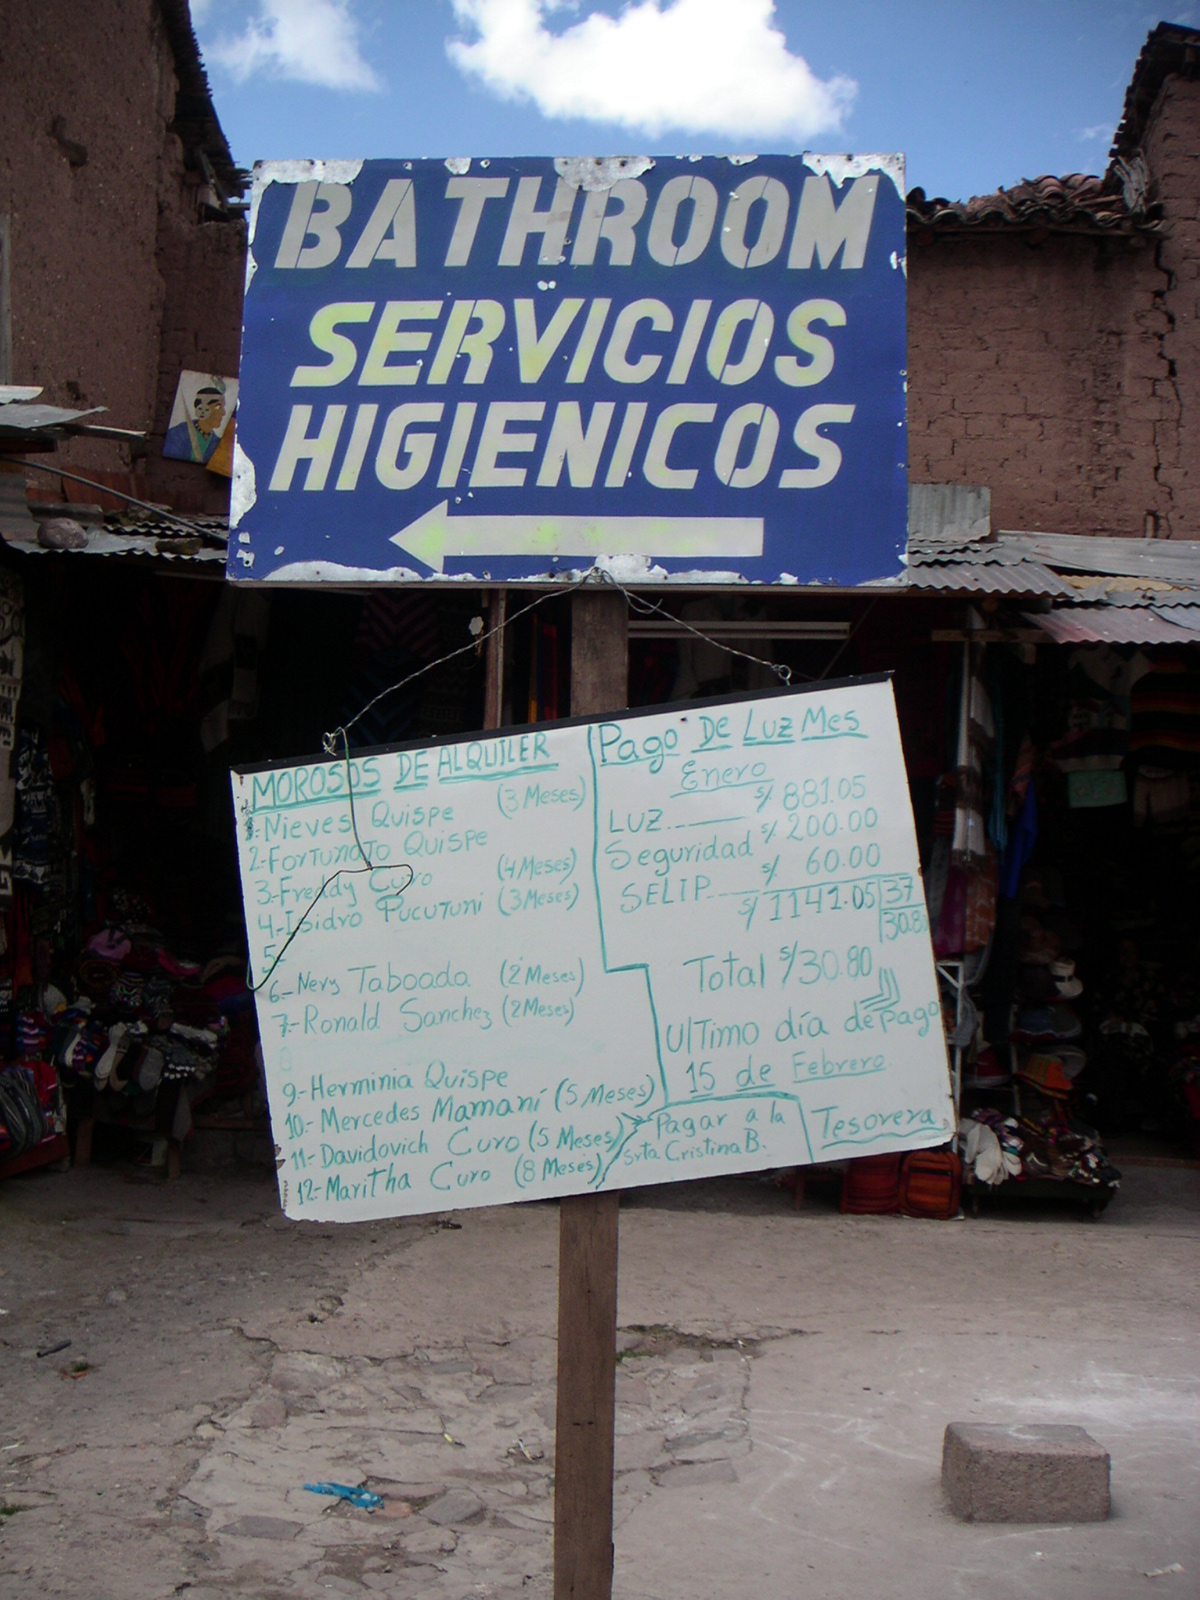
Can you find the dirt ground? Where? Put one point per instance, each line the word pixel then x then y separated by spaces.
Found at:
pixel 784 1383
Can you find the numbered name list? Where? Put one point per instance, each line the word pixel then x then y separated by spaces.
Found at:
pixel 623 951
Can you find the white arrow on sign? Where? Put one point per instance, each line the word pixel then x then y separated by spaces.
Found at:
pixel 436 535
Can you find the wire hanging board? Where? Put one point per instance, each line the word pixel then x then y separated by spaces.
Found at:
pixel 593 954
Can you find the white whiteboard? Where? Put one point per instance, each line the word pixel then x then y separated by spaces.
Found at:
pixel 635 949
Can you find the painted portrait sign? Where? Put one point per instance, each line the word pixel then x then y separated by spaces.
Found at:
pixel 201 418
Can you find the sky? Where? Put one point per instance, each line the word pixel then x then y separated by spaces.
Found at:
pixel 976 93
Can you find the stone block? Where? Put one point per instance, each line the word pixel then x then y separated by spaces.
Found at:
pixel 688 1474
pixel 269 1413
pixel 262 1528
pixel 1024 1472
pixel 456 1508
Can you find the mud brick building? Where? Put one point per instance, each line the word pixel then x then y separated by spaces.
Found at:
pixel 1054 328
pixel 122 242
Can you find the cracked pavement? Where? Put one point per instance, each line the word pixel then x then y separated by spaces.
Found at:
pixel 783 1385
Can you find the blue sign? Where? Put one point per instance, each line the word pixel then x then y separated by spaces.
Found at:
pixel 513 368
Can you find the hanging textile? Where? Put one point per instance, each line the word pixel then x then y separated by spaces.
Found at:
pixel 966 913
pixel 998 812
pixel 12 658
pixel 398 633
pixel 979 912
pixel 976 737
pixel 1022 776
pixel 1161 798
pixel 1021 841
pixel 1100 682
pixel 1166 715
pixel 237 637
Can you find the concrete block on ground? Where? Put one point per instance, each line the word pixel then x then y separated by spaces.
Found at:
pixel 456 1508
pixel 1024 1472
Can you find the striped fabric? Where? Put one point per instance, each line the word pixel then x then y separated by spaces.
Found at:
pixel 930 1184
pixel 871 1186
pixel 1166 715
pixel 397 619
pixel 398 632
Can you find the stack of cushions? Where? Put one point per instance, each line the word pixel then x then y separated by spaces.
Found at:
pixel 871 1186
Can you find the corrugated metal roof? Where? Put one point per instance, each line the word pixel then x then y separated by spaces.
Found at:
pixel 1121 591
pixel 16 418
pixel 989 554
pixel 1177 561
pixel 1182 616
pixel 986 577
pixel 1110 625
pixel 947 514
pixel 192 539
pixel 995 553
pixel 15 520
pixel 1158 598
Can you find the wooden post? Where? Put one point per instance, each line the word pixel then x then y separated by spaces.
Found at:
pixel 493 692
pixel 587 1237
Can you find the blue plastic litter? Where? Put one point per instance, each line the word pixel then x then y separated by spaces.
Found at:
pixel 345 1491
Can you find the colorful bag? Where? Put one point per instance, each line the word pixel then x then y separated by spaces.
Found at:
pixel 20 1111
pixel 930 1184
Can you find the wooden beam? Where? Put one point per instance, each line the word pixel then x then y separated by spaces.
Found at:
pixel 493 691
pixel 989 636
pixel 588 1225
pixel 599 652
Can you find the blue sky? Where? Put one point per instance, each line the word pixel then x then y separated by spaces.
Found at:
pixel 978 93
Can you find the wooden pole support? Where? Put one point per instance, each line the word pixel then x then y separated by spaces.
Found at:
pixel 587 1236
pixel 493 693
pixel 587 1378
pixel 599 652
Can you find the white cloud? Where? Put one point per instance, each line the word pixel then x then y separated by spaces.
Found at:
pixel 307 41
pixel 717 66
pixel 1099 130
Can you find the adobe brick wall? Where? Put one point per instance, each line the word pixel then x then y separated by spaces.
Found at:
pixel 203 266
pixel 1173 153
pixel 1038 369
pixel 115 278
pixel 1064 371
pixel 86 295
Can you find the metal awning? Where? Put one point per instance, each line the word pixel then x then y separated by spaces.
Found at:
pixel 1174 561
pixel 1111 625
pixel 1028 579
